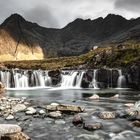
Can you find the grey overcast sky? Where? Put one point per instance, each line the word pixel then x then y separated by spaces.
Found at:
pixel 58 13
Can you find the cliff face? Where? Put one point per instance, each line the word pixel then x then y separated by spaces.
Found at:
pixel 23 40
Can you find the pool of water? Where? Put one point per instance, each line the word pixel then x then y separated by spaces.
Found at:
pixel 116 129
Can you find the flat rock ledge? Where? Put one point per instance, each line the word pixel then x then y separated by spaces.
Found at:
pixel 12 132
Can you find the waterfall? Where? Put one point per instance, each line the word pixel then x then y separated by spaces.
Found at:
pixel 25 78
pixel 79 79
pixel 121 80
pixel 17 78
pixel 72 79
pixel 68 79
pixel 94 81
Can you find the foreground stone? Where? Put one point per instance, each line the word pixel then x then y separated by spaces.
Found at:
pixel 31 111
pixel 107 115
pixel 94 97
pixel 9 129
pixel 15 136
pixel 65 108
pixel 12 132
pixel 55 114
pixel 92 126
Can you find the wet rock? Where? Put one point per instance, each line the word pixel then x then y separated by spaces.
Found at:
pixel 69 108
pixel 10 117
pixel 60 122
pixel 55 114
pixel 131 115
pixel 19 107
pixel 115 96
pixel 15 136
pixel 65 108
pixel 107 115
pixel 78 120
pixel 30 111
pixel 51 107
pixel 129 105
pixel 136 123
pixel 41 112
pixel 9 129
pixel 94 97
pixel 92 126
pixel 89 137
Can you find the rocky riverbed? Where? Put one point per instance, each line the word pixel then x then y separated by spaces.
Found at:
pixel 84 119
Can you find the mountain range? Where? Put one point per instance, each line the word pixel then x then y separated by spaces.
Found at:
pixel 24 40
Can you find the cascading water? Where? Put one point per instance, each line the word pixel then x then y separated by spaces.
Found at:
pixel 17 79
pixel 94 81
pixel 121 80
pixel 25 78
pixel 79 79
pixel 72 79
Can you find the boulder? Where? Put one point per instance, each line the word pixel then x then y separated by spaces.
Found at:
pixel 9 129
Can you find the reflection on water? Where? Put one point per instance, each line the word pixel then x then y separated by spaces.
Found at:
pixel 118 127
pixel 74 94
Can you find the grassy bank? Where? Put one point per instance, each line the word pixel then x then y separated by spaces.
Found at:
pixel 109 56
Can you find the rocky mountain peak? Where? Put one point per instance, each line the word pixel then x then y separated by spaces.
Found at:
pixel 13 20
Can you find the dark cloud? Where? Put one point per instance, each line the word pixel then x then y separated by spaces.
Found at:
pixel 42 15
pixel 58 13
pixel 130 5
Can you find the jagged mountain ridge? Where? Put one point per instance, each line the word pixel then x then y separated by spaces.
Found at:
pixel 24 40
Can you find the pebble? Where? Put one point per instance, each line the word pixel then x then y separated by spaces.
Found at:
pixel 10 117
pixel 30 111
pixel 42 112
pixel 55 114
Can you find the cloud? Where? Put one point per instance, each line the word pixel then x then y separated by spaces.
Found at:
pixel 130 5
pixel 58 13
pixel 42 15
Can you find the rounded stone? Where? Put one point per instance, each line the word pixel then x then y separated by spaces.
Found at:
pixel 9 129
pixel 10 117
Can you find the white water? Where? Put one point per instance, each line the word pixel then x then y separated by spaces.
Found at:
pixel 121 80
pixel 25 79
pixel 94 82
pixel 35 79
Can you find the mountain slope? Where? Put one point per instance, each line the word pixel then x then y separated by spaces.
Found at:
pixel 23 40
